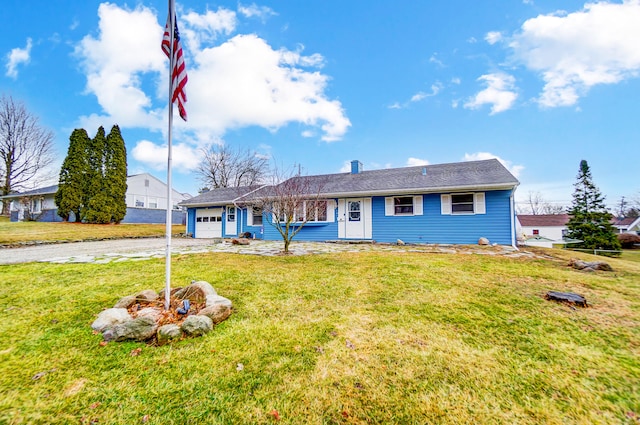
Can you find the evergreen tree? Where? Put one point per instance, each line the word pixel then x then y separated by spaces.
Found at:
pixel 69 197
pixel 590 221
pixel 96 207
pixel 115 176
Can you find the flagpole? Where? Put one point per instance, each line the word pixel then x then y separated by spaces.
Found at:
pixel 167 288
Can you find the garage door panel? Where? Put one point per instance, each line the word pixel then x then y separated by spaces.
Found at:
pixel 209 223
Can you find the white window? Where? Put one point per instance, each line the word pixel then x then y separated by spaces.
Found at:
pixel 36 205
pixel 316 210
pixel 139 202
pixel 254 216
pixel 231 214
pixel 463 203
pixel 403 205
pixel 153 203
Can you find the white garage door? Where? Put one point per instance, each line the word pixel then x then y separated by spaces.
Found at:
pixel 209 223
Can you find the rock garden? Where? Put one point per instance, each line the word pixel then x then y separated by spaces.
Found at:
pixel 194 310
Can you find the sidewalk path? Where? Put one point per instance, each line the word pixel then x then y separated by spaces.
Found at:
pixel 141 249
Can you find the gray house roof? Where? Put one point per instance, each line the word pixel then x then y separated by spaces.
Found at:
pixel 222 196
pixel 49 190
pixel 458 176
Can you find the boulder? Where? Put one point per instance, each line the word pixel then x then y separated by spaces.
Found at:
pixel 138 329
pixel 168 333
pixel 197 325
pixel 197 292
pixel 483 241
pixel 151 312
pixel 217 312
pixel 590 266
pixel 240 241
pixel 147 295
pixel 109 318
pixel 213 300
pixel 126 302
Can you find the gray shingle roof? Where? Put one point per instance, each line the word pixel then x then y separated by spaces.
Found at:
pixel 40 191
pixel 471 175
pixel 220 196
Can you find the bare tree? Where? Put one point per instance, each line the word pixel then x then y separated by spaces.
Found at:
pixel 536 205
pixel 291 204
pixel 26 149
pixel 222 166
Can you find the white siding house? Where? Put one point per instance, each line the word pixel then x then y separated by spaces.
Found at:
pixel 147 191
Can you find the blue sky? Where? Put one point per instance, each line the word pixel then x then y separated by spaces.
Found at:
pixel 538 84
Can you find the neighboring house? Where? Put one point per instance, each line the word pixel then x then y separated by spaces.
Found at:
pixel 549 226
pixel 146 200
pixel 444 203
pixel 551 229
pixel 627 225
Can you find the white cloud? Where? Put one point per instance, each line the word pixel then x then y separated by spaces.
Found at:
pixel 456 80
pixel 206 28
pixel 253 10
pixel 492 37
pixel 17 57
pixel 183 156
pixel 412 162
pixel 499 93
pixel 239 82
pixel 434 59
pixel 514 169
pixel 576 51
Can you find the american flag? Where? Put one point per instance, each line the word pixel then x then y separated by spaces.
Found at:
pixel 179 71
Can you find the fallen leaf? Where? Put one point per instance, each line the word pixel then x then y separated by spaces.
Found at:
pixel 38 375
pixel 345 414
pixel 103 343
pixel 95 405
pixel 240 367
pixel 135 352
pixel 275 414
pixel 145 419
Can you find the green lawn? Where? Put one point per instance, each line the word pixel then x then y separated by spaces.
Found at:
pixel 24 231
pixel 362 338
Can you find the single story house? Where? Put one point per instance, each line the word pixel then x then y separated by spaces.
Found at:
pixel 627 225
pixel 554 227
pixel 454 203
pixel 549 226
pixel 146 200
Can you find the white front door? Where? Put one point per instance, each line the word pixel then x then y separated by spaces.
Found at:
pixel 354 218
pixel 209 223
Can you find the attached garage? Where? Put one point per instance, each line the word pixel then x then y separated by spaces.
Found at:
pixel 208 223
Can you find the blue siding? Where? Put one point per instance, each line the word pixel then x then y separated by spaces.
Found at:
pixel 434 227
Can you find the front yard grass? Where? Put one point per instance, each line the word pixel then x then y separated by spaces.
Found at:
pixel 360 338
pixel 29 231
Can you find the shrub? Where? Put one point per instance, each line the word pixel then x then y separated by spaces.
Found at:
pixel 628 240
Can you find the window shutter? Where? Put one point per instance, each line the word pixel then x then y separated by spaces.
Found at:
pixel 417 205
pixel 250 216
pixel 445 204
pixel 388 206
pixel 480 206
pixel 342 208
pixel 331 210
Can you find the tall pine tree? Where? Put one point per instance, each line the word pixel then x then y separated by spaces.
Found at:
pixel 115 175
pixel 96 207
pixel 69 197
pixel 590 221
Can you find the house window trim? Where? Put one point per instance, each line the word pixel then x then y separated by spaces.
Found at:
pixel 416 206
pixel 231 214
pixel 479 204
pixel 328 215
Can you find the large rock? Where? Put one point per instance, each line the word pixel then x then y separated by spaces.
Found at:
pixel 213 300
pixel 197 292
pixel 138 329
pixel 590 266
pixel 151 312
pixel 197 325
pixel 147 295
pixel 168 333
pixel 109 318
pixel 483 241
pixel 217 312
pixel 126 302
